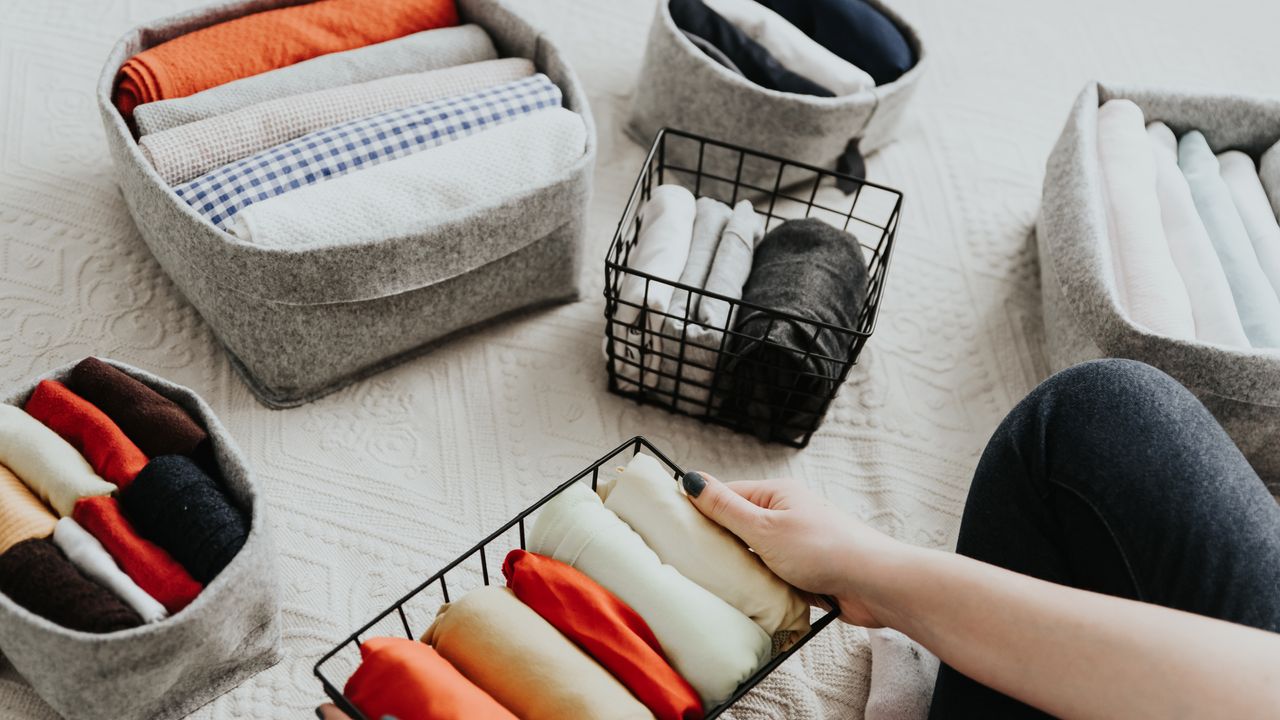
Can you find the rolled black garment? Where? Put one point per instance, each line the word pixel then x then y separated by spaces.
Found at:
pixel 174 504
pixel 36 575
pixel 778 374
pixel 748 56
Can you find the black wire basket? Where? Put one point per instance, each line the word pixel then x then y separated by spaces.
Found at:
pixel 788 400
pixel 414 612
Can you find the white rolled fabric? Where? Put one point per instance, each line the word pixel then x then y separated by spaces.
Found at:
pixel 712 645
pixel 792 48
pixel 49 465
pixel 86 553
pixel 1151 285
pixel 661 250
pixel 411 195
pixel 1241 176
pixel 189 151
pixel 1269 172
pixel 1212 306
pixel 651 501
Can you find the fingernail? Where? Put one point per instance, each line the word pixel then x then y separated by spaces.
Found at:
pixel 694 482
pixel 320 713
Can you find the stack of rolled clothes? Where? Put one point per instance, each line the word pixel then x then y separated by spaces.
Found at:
pixel 1194 241
pixel 755 327
pixel 823 48
pixel 627 604
pixel 107 518
pixel 344 121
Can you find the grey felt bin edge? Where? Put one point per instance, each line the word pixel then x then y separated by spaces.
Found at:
pixel 1083 320
pixel 681 87
pixel 163 670
pixel 217 271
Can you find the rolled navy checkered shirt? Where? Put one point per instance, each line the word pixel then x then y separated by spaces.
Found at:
pixel 336 151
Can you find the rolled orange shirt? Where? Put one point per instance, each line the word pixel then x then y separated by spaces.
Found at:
pixel 267 40
pixel 408 680
pixel 112 454
pixel 606 628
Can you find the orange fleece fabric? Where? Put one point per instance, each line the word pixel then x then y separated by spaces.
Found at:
pixel 607 628
pixel 408 680
pixel 112 454
pixel 153 569
pixel 267 40
pixel 22 515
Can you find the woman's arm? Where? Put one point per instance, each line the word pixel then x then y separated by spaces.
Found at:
pixel 1069 652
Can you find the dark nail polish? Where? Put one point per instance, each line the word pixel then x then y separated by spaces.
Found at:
pixel 694 482
pixel 319 714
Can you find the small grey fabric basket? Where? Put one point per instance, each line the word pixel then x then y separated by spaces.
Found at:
pixel 1083 320
pixel 167 669
pixel 682 87
pixel 299 324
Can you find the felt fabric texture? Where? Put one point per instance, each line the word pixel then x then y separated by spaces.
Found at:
pixel 87 554
pixel 165 670
pixel 110 453
pixel 711 217
pixel 419 52
pixel 710 643
pixel 792 48
pixel 1241 176
pixel 662 251
pixel 263 41
pixel 153 569
pixel 651 501
pixel 300 324
pixel 1212 306
pixel 683 88
pixel 755 62
pixel 605 627
pixel 1256 300
pixel 188 151
pixel 407 196
pixel 53 469
pixel 782 372
pixel 1269 173
pixel 524 663
pixel 408 680
pixel 1150 287
pixel 1081 318
pixel 22 515
pixel 712 51
pixel 156 424
pixel 361 143
pixel 175 504
pixel 902 677
pixel 36 575
pixel 853 29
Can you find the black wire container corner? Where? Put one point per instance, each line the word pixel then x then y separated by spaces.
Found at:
pixel 659 360
pixel 412 614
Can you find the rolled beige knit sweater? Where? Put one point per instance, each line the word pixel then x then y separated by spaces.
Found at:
pixel 22 515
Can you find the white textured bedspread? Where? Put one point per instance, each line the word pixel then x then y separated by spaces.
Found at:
pixel 376 486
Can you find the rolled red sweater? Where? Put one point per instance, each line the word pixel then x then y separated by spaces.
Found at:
pixel 267 40
pixel 409 680
pixel 155 571
pixel 112 454
pixel 606 628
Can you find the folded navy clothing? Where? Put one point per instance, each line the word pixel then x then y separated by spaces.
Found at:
pixel 780 373
pixel 749 57
pixel 853 29
pixel 176 505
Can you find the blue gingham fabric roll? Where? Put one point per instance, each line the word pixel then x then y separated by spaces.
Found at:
pixel 336 151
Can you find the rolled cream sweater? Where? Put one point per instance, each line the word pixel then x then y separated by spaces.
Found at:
pixel 49 465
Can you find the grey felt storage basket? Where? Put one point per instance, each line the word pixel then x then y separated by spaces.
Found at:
pixel 302 323
pixel 1083 320
pixel 682 87
pixel 166 669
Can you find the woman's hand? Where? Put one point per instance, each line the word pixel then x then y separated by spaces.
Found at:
pixel 804 539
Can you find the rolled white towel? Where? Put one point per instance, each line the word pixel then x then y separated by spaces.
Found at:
pixel 86 553
pixel 1212 306
pixel 1241 177
pixel 49 465
pixel 1156 296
